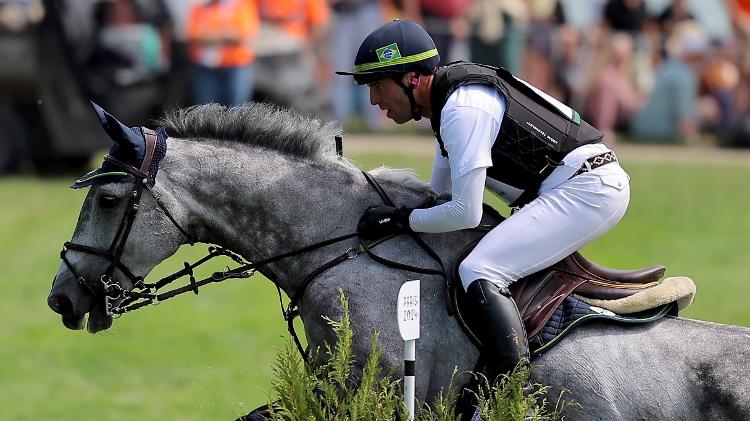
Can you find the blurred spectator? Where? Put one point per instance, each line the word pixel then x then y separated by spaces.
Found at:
pixel 352 20
pixel 298 18
pixel 444 20
pixel 614 96
pixel 720 80
pixel 497 32
pixel 293 63
pixel 740 12
pixel 583 15
pixel 19 32
pixel 176 94
pixel 77 19
pixel 571 66
pixel 713 15
pixel 672 110
pixel 179 10
pixel 17 15
pixel 546 17
pixel 677 11
pixel 129 58
pixel 580 48
pixel 128 49
pixel 625 15
pixel 219 35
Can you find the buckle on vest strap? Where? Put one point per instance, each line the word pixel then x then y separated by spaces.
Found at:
pixel 550 163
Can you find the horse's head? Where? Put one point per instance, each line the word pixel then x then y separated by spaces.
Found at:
pixel 123 230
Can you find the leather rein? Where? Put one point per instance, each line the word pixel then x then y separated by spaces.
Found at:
pixel 142 294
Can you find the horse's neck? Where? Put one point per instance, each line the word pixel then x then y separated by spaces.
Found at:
pixel 264 204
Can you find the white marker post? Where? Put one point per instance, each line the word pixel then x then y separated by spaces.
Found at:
pixel 407 310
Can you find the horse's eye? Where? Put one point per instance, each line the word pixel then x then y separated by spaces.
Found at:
pixel 108 202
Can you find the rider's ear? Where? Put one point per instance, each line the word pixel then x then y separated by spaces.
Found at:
pixel 413 79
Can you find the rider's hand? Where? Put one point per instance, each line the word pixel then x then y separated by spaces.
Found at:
pixel 381 220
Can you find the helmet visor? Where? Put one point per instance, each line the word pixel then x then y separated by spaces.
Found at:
pixel 363 78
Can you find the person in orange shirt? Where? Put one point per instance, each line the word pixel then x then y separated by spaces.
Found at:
pixel 219 35
pixel 740 15
pixel 292 52
pixel 302 19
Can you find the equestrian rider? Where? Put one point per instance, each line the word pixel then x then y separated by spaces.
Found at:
pixel 493 130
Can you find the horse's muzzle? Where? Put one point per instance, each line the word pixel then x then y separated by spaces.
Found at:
pixel 70 301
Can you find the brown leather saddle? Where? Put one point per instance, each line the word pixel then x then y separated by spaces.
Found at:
pixel 538 295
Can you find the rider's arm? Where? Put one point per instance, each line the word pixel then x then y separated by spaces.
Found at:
pixel 469 123
pixel 463 211
pixel 441 173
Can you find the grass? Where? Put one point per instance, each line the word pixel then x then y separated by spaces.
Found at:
pixel 211 356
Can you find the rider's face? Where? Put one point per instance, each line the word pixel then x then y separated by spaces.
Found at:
pixel 386 94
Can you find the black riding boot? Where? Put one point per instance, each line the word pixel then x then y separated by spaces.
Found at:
pixel 502 330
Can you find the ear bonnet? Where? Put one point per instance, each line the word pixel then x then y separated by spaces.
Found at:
pixel 129 147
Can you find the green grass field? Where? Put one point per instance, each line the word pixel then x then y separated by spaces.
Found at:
pixel 209 357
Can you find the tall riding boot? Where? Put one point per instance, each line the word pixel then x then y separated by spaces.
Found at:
pixel 502 330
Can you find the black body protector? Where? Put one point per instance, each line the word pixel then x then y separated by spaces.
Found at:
pixel 536 131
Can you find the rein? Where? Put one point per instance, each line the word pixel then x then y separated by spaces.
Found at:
pixel 430 252
pixel 142 294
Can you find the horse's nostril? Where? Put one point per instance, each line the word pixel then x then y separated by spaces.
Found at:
pixel 60 304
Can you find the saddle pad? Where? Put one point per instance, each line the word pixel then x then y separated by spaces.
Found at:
pixel 572 312
pixel 678 289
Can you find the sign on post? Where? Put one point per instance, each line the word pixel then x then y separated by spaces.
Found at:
pixel 407 310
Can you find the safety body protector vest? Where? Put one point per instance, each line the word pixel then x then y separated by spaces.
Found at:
pixel 536 131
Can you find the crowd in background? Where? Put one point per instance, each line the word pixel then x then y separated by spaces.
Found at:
pixel 643 70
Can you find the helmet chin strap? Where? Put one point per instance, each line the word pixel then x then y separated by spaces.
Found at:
pixel 416 110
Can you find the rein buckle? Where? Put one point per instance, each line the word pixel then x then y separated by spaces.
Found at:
pixel 353 252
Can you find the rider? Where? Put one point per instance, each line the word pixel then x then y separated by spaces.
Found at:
pixel 493 130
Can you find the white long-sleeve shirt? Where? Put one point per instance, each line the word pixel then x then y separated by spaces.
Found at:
pixel 469 124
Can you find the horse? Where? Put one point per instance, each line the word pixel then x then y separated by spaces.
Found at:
pixel 263 181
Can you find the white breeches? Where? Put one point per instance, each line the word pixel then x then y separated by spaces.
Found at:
pixel 560 221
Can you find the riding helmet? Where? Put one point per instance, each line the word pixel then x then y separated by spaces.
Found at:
pixel 397 47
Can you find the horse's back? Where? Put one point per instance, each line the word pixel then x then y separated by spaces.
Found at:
pixel 676 369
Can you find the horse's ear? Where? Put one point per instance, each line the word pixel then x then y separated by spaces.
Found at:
pixel 130 143
pixel 129 148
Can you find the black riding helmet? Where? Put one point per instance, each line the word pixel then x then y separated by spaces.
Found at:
pixel 398 47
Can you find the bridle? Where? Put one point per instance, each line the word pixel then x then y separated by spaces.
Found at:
pixel 106 287
pixel 142 294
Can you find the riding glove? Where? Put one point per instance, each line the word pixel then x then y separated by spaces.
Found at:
pixel 380 220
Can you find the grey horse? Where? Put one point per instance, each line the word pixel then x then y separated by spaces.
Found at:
pixel 262 181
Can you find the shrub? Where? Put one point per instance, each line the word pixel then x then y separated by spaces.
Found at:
pixel 326 393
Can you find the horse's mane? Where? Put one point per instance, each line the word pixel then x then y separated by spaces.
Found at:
pixel 273 127
pixel 254 123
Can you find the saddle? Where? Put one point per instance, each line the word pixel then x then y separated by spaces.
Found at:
pixel 540 294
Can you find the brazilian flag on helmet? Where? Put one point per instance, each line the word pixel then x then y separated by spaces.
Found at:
pixel 399 46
